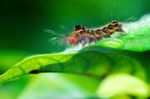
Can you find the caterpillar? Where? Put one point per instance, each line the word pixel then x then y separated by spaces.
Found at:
pixel 82 35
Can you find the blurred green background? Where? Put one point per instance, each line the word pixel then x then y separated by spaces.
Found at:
pixel 23 24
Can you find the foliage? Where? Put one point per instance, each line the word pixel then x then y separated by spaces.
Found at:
pixel 124 54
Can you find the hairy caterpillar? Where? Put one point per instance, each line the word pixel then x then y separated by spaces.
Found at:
pixel 84 36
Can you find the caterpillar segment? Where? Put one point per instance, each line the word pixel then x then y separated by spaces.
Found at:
pixel 82 35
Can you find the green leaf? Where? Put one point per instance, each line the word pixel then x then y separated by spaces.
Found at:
pixel 123 84
pixel 9 58
pixel 135 38
pixel 52 86
pixel 92 61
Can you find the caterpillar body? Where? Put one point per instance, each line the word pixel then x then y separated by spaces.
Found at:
pixel 82 35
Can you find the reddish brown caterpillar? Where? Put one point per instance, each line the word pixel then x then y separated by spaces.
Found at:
pixel 87 36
